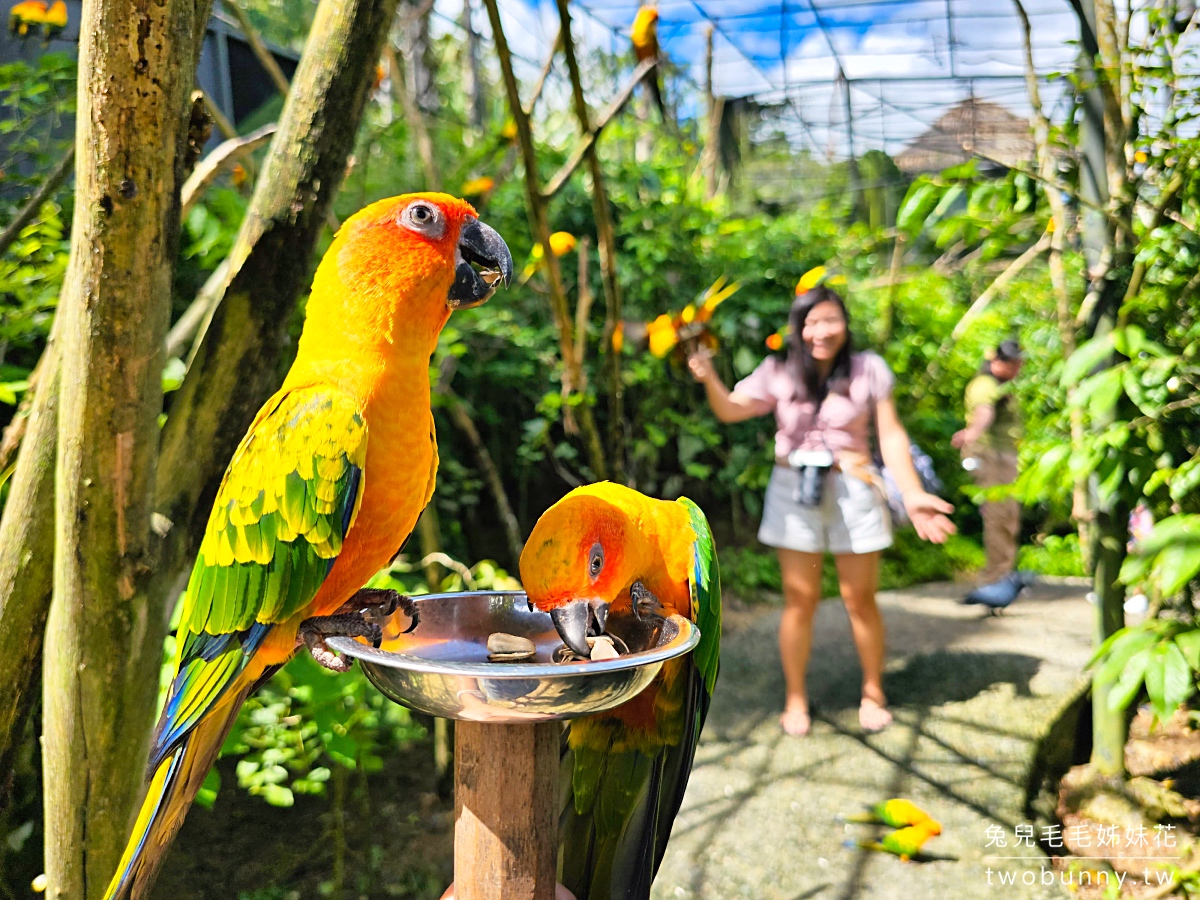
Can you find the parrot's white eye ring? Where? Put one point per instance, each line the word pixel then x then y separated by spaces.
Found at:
pixel 424 218
pixel 595 560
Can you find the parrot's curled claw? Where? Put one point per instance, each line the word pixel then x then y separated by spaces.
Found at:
pixel 645 604
pixel 314 631
pixel 377 604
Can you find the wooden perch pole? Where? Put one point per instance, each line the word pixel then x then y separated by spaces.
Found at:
pixel 210 167
pixel 554 185
pixel 608 257
pixel 539 225
pixel 412 114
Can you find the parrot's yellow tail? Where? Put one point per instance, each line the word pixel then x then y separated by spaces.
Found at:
pixel 172 788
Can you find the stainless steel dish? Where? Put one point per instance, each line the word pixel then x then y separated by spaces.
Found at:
pixel 442 668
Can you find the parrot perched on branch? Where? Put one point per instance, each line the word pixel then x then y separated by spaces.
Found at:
pixel 606 558
pixel 644 36
pixel 895 813
pixel 321 492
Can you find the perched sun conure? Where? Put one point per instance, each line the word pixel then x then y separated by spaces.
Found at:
pixel 27 18
pixel 895 813
pixel 561 243
pixel 321 492
pixel 606 558
pixel 644 36
pixel 55 21
pixel 904 842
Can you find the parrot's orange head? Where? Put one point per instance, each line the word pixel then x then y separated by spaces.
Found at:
pixel 584 552
pixel 400 266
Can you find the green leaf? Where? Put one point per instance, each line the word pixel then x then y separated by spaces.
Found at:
pixel 1176 566
pixel 1189 644
pixel 1186 479
pixel 921 199
pixel 1125 690
pixel 1085 358
pixel 278 795
pixel 1155 678
pixel 1177 679
pixel 207 794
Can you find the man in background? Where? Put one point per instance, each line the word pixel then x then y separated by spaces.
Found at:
pixel 989 448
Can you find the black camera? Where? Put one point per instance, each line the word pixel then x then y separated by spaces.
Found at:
pixel 810 466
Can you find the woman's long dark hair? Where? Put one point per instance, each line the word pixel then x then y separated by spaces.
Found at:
pixel 800 360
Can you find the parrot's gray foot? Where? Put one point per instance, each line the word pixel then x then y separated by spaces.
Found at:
pixel 645 604
pixel 377 604
pixel 314 631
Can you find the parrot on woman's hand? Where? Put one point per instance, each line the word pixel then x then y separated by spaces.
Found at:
pixel 895 813
pixel 321 492
pixel 606 558
pixel 905 843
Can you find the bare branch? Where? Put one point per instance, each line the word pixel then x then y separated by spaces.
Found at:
pixel 264 56
pixel 57 176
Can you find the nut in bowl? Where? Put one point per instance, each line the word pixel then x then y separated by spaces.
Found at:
pixel 445 666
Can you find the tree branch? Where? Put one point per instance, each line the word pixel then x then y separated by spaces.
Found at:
pixel 57 176
pixel 265 58
pixel 210 167
pixel 589 138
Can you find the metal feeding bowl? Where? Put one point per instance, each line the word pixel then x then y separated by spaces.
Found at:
pixel 441 667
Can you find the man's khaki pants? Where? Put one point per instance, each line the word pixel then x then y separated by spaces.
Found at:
pixel 1001 518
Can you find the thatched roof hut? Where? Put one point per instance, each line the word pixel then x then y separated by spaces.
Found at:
pixel 971 128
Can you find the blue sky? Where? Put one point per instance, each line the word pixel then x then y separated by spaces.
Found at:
pixel 776 48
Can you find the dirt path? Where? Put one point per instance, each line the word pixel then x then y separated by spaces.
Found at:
pixel 970 695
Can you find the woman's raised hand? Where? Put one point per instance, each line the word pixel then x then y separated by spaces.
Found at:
pixel 927 514
pixel 700 364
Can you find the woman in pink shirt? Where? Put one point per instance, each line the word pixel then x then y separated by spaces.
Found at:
pixel 825 493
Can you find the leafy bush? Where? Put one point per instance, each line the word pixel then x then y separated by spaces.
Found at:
pixel 1055 555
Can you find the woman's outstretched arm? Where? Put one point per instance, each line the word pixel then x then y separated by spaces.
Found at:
pixel 727 405
pixel 925 509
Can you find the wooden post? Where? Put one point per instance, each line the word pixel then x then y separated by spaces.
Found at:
pixel 505 833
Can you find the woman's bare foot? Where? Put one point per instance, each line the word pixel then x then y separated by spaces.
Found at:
pixel 795 719
pixel 873 716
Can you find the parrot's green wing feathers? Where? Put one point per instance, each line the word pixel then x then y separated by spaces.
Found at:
pixel 288 499
pixel 706 596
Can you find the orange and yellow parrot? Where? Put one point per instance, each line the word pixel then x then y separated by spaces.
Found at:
pixel 895 813
pixel 26 18
pixel 644 36
pixel 322 490
pixel 905 843
pixel 606 558
pixel 55 21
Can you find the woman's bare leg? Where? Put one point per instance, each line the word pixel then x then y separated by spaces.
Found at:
pixel 801 594
pixel 858 577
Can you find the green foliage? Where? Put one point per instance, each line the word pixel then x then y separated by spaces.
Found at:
pixel 1161 656
pixel 1055 555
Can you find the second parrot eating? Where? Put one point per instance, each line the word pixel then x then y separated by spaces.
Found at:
pixel 606 558
pixel 321 492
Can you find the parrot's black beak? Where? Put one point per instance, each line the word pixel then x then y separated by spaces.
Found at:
pixel 579 618
pixel 479 245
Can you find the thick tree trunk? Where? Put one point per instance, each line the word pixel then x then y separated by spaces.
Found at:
pixel 103 646
pixel 27 561
pixel 239 364
pixel 241 358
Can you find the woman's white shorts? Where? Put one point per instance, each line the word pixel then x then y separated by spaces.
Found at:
pixel 852 518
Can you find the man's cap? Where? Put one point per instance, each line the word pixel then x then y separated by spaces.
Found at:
pixel 1009 351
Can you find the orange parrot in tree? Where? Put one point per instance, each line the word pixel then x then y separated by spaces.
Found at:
pixel 26 18
pixel 644 36
pixel 322 491
pixel 607 558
